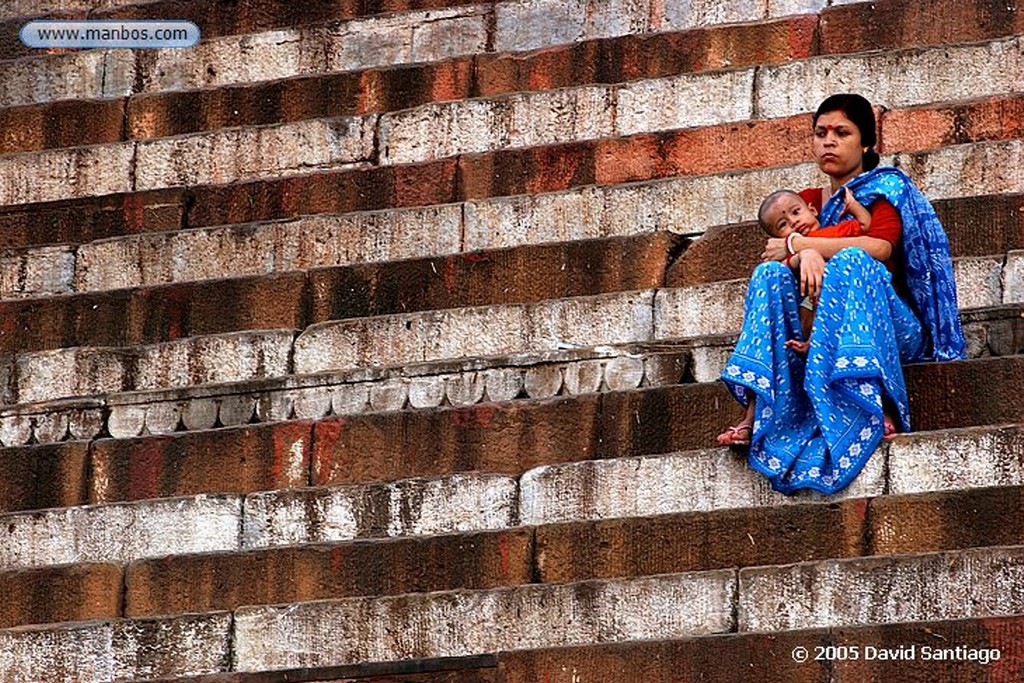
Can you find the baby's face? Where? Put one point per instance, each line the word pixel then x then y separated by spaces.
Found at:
pixel 789 214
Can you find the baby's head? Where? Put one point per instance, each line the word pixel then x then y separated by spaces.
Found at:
pixel 784 212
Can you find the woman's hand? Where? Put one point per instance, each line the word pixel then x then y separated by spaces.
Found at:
pixel 812 269
pixel 774 249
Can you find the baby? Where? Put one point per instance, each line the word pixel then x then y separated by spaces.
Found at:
pixel 785 212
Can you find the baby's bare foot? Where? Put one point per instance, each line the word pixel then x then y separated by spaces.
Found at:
pixel 798 346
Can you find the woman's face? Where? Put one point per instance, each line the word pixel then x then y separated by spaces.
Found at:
pixel 837 146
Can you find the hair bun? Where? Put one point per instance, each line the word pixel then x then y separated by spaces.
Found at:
pixel 871 159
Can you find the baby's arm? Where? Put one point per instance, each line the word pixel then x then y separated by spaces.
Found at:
pixel 857 210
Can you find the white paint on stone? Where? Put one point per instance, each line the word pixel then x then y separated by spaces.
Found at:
pixel 61 373
pixel 38 271
pixel 680 15
pixel 693 481
pixel 1013 278
pixel 480 331
pixel 230 357
pixel 86 75
pixel 684 101
pixel 445 129
pixel 120 532
pixel 957 459
pixel 965 584
pixel 894 79
pixel 446 624
pixel 57 174
pixel 978 281
pixel 700 310
pixel 119 650
pixel 415 507
pixel 254 152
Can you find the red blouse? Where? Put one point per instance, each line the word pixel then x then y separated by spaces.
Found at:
pixel 885 221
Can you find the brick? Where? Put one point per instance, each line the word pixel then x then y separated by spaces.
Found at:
pixel 286 52
pixel 919 128
pixel 523 274
pixel 254 153
pixel 64 174
pixel 461 502
pixel 685 101
pixel 95 652
pixel 81 221
pixel 466 622
pixel 79 592
pixel 956 459
pixel 103 74
pixel 964 394
pixel 523 120
pixel 767 658
pixel 227 581
pixel 37 477
pixel 653 55
pixel 996 639
pixel 752 658
pixel 61 124
pixel 648 545
pixel 232 357
pixel 148 315
pixel 893 25
pixel 698 481
pixel 120 532
pixel 240 460
pixel 952 585
pixel 328 192
pixel 383 447
pixel 895 79
pixel 946 520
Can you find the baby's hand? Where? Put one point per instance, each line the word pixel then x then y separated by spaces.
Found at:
pixel 850 204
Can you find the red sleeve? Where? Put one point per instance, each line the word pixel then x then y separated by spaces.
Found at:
pixel 812 195
pixel 885 222
pixel 848 228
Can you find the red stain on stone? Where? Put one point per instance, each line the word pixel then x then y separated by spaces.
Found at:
pixel 503 554
pixel 144 468
pixel 325 437
pixel 133 208
pixel 478 416
pixel 337 560
pixel 449 274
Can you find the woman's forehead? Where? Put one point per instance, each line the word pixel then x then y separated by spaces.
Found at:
pixel 834 119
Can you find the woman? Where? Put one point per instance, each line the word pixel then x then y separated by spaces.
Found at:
pixel 883 298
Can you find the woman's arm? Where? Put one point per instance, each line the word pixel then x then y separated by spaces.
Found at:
pixel 878 249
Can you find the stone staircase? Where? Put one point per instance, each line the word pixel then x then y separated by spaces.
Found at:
pixel 377 341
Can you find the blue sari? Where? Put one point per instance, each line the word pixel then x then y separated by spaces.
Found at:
pixel 819 416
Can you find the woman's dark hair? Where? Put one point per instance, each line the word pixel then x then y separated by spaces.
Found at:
pixel 859 111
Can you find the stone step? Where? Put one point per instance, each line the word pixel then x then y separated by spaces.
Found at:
pixel 994 331
pixel 392 88
pixel 940 586
pixel 358 449
pixel 523 120
pixel 430 336
pixel 606 61
pixel 117 650
pixel 534 171
pixel 683 205
pixel 768 657
pixel 640 539
pixel 296 299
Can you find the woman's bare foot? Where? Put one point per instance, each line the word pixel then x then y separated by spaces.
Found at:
pixel 798 346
